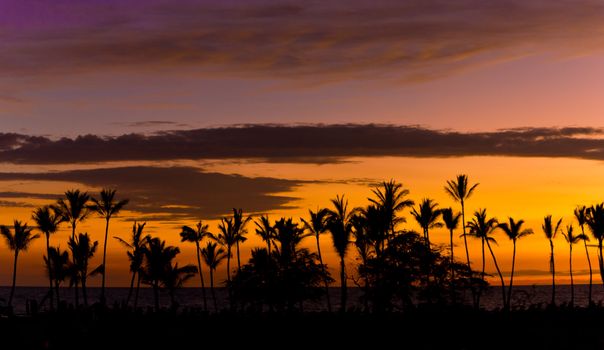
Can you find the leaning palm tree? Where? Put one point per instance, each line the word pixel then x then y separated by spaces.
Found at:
pixel 391 199
pixel 17 240
pixel 47 220
pixel 339 223
pixel 213 256
pixel 196 235
pixel 157 259
pixel 227 237
pixel 460 191
pixel 513 230
pixel 482 227
pixel 57 264
pixel 551 231
pixel 595 222
pixel 239 224
pixel 317 225
pixel 427 216
pixel 581 217
pixel 451 221
pixel 106 207
pixel 135 247
pixel 571 239
pixel 82 250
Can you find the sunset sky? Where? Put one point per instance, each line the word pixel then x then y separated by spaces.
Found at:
pixel 191 108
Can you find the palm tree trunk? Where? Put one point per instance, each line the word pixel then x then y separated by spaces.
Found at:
pixel 500 275
pixel 572 283
pixel 229 267
pixel 475 294
pixel 104 263
pixel 84 294
pixel 343 285
pixel 512 276
pixel 138 286
pixel 203 286
pixel 601 261
pixel 479 292
pixel 428 239
pixel 552 267
pixel 50 290
pixel 324 274
pixel 12 290
pixel 212 289
pixel 131 288
pixel 452 256
pixel 590 270
pixel 238 258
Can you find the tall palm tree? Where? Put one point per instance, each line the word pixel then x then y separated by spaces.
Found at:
pixel 482 227
pixel 427 215
pixel 571 239
pixel 57 265
pixel 227 237
pixel 317 225
pixel 136 247
pixel 74 208
pixel 460 191
pixel 213 256
pixel 82 250
pixel 47 220
pixel 266 231
pixel 106 207
pixel 513 230
pixel 175 277
pixel 551 231
pixel 595 222
pixel 196 236
pixel 17 240
pixel 239 224
pixel 157 259
pixel 581 217
pixel 391 199
pixel 340 225
pixel 451 221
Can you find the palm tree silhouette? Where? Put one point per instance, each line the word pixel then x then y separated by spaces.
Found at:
pixel 47 220
pixel 265 230
pixel 551 231
pixel 460 191
pixel 17 240
pixel 571 239
pixel 391 199
pixel 595 222
pixel 135 256
pixel 317 225
pixel 513 230
pixel 213 256
pixel 340 225
pixel 175 277
pixel 427 217
pixel 581 217
pixel 196 236
pixel 482 227
pixel 74 208
pixel 57 265
pixel 157 259
pixel 82 250
pixel 106 207
pixel 451 221
pixel 239 224
pixel 227 237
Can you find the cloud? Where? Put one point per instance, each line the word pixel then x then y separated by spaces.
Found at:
pixel 174 192
pixel 410 40
pixel 304 143
pixel 152 124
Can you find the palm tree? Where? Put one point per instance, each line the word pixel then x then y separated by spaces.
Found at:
pixel 74 208
pixel 317 225
pixel 196 236
pixel 106 207
pixel 482 227
pixel 460 191
pixel 595 222
pixel 451 221
pixel 47 220
pixel 391 199
pixel 571 239
pixel 157 260
pixel 57 265
pixel 340 225
pixel 240 231
pixel 17 240
pixel 82 250
pixel 227 237
pixel 551 231
pixel 213 256
pixel 175 277
pixel 581 216
pixel 513 230
pixel 265 230
pixel 136 248
pixel 426 216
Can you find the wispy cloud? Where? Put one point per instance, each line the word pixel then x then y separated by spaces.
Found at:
pixel 304 143
pixel 411 40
